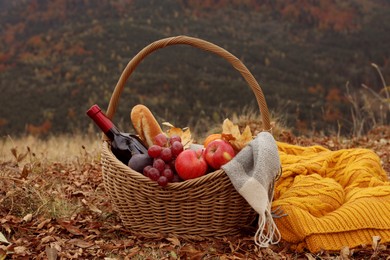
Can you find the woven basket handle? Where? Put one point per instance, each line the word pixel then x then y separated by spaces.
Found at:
pixel 201 44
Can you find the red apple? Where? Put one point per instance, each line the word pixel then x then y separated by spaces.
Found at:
pixel 218 152
pixel 190 164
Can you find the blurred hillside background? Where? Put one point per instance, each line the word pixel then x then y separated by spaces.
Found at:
pixel 323 64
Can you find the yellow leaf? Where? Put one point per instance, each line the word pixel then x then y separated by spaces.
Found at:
pixel 3 254
pixel 3 239
pixel 168 124
pixel 232 134
pixel 246 136
pixel 228 137
pixel 229 128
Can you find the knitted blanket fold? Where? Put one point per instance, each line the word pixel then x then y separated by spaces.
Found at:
pixel 331 199
pixel 252 172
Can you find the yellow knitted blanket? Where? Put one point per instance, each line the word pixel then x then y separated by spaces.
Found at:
pixel 332 198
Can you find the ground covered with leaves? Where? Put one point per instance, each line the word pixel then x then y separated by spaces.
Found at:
pixel 58 209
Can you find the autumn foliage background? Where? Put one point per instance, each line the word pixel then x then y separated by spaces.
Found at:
pixel 59 57
pixel 323 66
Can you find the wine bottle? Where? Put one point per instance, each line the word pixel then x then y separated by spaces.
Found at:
pixel 123 145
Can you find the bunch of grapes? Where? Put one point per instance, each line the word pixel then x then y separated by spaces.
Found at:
pixel 163 152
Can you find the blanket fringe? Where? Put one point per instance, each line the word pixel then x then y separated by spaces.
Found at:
pixel 267 232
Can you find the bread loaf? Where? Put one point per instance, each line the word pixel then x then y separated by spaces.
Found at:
pixel 145 124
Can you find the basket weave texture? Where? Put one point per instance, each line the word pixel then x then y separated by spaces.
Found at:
pixel 204 207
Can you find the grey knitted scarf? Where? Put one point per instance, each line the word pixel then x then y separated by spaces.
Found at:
pixel 253 171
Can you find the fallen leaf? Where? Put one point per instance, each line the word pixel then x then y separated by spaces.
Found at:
pixel 191 252
pixel 80 243
pixel 3 254
pixel 20 250
pixel 70 228
pixel 345 253
pixel 310 256
pixel 57 245
pixel 28 217
pixel 188 249
pixel 92 207
pixel 43 223
pixel 51 253
pixel 3 239
pixel 134 251
pixel 174 241
pixel 375 242
pixel 47 239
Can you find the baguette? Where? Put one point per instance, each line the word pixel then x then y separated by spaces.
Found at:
pixel 145 124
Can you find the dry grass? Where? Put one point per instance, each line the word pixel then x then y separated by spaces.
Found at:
pixel 35 163
pixel 369 109
pixel 63 148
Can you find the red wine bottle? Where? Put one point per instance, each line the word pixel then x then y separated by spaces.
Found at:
pixel 123 145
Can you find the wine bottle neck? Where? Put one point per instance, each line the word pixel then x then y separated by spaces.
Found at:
pixel 112 132
pixel 102 121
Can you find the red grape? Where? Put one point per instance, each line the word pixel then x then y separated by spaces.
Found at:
pixel 162 181
pixel 146 170
pixel 174 138
pixel 159 164
pixel 166 154
pixel 154 174
pixel 177 148
pixel 154 151
pixel 161 140
pixel 168 173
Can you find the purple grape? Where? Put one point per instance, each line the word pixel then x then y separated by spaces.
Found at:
pixel 162 181
pixel 175 138
pixel 168 173
pixel 177 148
pixel 154 151
pixel 166 154
pixel 154 174
pixel 146 170
pixel 161 140
pixel 159 164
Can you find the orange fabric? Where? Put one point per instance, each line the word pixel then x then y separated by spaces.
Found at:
pixel 332 198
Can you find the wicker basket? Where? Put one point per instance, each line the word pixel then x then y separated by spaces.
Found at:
pixel 208 206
